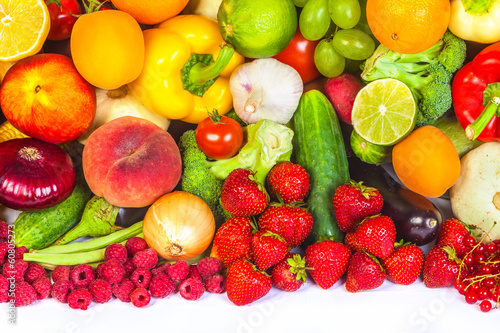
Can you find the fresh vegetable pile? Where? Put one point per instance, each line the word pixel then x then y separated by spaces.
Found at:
pixel 236 146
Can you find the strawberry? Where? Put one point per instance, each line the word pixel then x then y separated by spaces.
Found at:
pixel 268 249
pixel 292 222
pixel 404 265
pixel 376 235
pixel 327 261
pixel 351 241
pixel 288 181
pixel 245 283
pixel 241 195
pixel 353 202
pixel 441 267
pixel 232 240
pixel 452 233
pixel 364 273
pixel 290 273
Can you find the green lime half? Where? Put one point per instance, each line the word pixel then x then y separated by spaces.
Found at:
pixel 384 112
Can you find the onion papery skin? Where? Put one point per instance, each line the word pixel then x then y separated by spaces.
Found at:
pixel 179 226
pixel 34 174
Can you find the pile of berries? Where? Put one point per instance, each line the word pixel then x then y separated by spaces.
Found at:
pixel 258 255
pixel 472 266
pixel 131 273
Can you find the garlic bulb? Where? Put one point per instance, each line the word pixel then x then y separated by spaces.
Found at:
pixel 111 104
pixel 265 89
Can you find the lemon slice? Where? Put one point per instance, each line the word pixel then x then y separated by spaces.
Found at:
pixel 384 112
pixel 24 26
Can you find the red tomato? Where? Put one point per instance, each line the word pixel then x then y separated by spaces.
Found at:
pixel 219 137
pixel 300 55
pixel 62 17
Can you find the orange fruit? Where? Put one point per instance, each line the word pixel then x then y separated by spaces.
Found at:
pixel 151 11
pixel 426 161
pixel 107 48
pixel 408 26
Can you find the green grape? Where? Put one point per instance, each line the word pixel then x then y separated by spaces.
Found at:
pixel 353 44
pixel 344 13
pixel 328 62
pixel 314 19
pixel 300 3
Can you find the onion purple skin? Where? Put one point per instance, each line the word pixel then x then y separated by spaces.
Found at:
pixel 36 181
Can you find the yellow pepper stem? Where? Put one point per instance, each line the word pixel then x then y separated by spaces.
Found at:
pixel 200 73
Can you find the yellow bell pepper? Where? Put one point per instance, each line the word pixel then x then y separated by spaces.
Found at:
pixel 476 20
pixel 186 69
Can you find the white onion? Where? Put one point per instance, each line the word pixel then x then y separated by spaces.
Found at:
pixel 265 89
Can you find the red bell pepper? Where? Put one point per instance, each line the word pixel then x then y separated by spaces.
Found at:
pixel 476 95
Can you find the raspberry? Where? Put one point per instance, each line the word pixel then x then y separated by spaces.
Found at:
pixel 209 266
pixel 20 251
pixel 82 275
pixel 134 245
pixel 42 286
pixel 79 298
pixel 215 284
pixel 61 289
pixel 101 291
pixel 116 251
pixel 178 271
pixel 147 258
pixel 140 297
pixel 4 252
pixel 193 273
pixel 141 277
pixel 25 294
pixel 61 273
pixel 129 266
pixel 111 271
pixel 191 289
pixel 4 230
pixel 15 269
pixel 33 272
pixel 123 289
pixel 161 285
pixel 162 268
pixel 4 283
pixel 4 296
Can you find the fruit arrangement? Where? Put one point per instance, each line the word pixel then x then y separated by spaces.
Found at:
pixel 159 148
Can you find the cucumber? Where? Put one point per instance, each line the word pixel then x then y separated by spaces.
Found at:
pixel 369 152
pixel 449 124
pixel 39 229
pixel 319 148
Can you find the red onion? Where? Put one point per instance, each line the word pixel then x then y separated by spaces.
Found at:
pixel 34 174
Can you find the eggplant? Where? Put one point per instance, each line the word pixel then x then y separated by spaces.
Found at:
pixel 417 219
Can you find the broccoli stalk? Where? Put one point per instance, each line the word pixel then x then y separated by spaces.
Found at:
pixel 428 74
pixel 267 144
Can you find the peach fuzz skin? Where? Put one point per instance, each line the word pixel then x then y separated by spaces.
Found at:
pixel 131 162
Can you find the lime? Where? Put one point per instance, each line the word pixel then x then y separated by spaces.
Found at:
pixel 257 28
pixel 384 112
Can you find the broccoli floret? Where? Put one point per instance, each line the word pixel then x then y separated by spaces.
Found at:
pixel 267 144
pixel 197 178
pixel 428 74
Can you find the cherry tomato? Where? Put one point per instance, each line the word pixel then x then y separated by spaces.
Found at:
pixel 300 55
pixel 219 137
pixel 62 18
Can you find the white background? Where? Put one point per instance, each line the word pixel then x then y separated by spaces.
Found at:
pixel 391 308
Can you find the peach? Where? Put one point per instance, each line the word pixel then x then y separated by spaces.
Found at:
pixel 131 162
